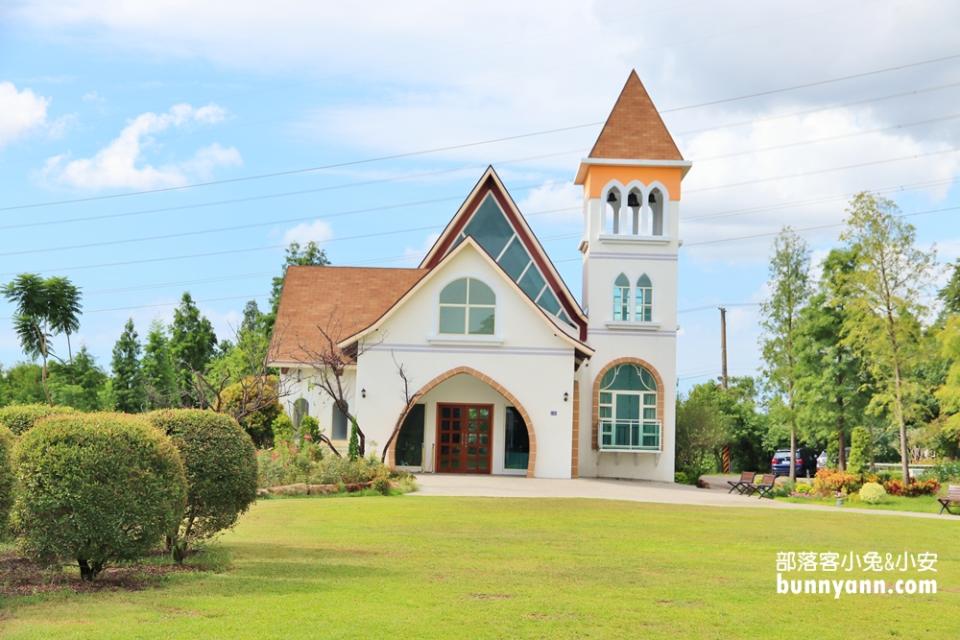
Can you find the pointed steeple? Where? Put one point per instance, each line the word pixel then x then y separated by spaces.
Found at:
pixel 634 130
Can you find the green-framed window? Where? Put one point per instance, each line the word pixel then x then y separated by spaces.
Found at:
pixel 644 308
pixel 627 410
pixel 621 298
pixel 467 307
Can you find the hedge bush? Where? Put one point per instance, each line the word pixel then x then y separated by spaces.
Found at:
pixel 96 488
pixel 872 493
pixel 6 477
pixel 290 464
pixel 221 468
pixel 20 418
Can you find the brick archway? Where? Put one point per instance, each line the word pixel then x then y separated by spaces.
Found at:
pixel 595 410
pixel 482 377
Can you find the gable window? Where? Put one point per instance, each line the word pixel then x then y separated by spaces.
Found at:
pixel 467 307
pixel 628 410
pixel 644 310
pixel 621 298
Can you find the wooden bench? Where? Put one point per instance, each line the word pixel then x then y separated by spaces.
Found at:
pixel 951 499
pixel 744 483
pixel 764 488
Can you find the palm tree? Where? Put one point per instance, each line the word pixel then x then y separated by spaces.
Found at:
pixel 63 308
pixel 45 307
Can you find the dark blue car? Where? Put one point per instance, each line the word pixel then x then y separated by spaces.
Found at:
pixel 806 463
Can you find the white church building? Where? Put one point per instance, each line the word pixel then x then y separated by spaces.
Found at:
pixel 507 372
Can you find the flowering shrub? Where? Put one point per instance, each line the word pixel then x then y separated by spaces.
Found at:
pixel 927 487
pixel 288 463
pixel 872 493
pixel 828 482
pixel 803 489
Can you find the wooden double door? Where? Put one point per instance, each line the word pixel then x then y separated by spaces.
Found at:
pixel 464 438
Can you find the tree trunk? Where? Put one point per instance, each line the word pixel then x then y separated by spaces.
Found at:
pixel 841 454
pixel 793 453
pixel 87 571
pixel 901 423
pixel 43 380
pixel 69 349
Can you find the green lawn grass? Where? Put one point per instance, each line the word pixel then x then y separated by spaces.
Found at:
pixel 417 567
pixel 921 504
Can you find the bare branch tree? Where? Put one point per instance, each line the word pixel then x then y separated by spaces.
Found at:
pixel 409 400
pixel 330 362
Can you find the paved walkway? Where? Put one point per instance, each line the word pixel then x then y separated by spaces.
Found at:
pixel 436 484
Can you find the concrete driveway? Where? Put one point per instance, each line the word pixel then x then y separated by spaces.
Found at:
pixel 437 484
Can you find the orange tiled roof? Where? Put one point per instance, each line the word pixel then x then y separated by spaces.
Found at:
pixel 340 300
pixel 634 129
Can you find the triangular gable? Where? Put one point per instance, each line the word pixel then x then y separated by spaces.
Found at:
pixel 634 130
pixel 551 320
pixel 492 218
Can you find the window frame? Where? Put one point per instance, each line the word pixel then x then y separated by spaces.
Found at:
pixel 643 299
pixel 468 307
pixel 641 429
pixel 621 299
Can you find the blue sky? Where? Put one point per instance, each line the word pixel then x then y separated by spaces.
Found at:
pixel 106 97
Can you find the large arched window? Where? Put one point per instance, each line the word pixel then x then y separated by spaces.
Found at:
pixel 467 306
pixel 301 409
pixel 644 309
pixel 628 410
pixel 621 298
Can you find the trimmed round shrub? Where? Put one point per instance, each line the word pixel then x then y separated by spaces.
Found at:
pixel 96 488
pixel 20 418
pixel 6 477
pixel 872 493
pixel 221 468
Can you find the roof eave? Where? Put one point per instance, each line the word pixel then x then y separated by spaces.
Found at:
pixel 585 163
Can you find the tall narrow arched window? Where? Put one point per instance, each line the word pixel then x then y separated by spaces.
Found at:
pixel 644 309
pixel 613 205
pixel 301 409
pixel 621 298
pixel 656 201
pixel 627 409
pixel 467 307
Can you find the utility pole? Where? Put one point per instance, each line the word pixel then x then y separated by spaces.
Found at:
pixel 723 346
pixel 725 452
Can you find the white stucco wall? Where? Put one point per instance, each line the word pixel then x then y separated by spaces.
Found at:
pixel 302 383
pixel 653 342
pixel 526 356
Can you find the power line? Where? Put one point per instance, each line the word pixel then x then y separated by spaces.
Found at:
pixel 252 225
pixel 413 176
pixel 842 136
pixel 818 227
pixel 804 112
pixel 281 194
pixel 440 149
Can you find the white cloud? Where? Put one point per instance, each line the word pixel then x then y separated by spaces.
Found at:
pixel 318 231
pixel 559 201
pixel 413 255
pixel 711 211
pixel 21 112
pixel 121 163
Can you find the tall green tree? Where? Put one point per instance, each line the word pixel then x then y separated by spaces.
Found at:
pixel 309 255
pixel 192 344
pixel 45 307
pixel 78 383
pixel 127 381
pixel 789 291
pixel 884 302
pixel 159 372
pixel 21 384
pixel 949 295
pixel 831 386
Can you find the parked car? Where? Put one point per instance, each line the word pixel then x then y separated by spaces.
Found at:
pixel 806 463
pixel 822 462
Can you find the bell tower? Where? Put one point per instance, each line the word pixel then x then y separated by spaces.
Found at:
pixel 631 189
